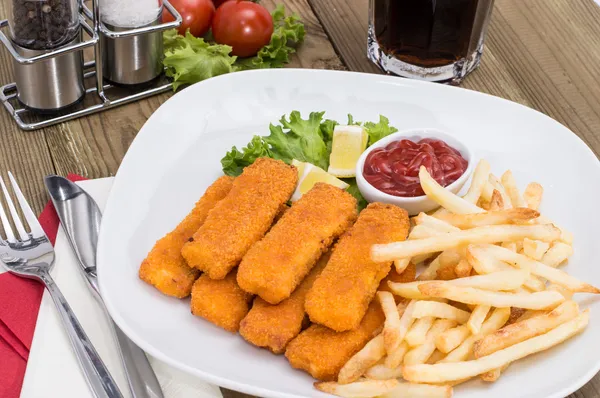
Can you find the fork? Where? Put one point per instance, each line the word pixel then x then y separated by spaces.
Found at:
pixel 32 256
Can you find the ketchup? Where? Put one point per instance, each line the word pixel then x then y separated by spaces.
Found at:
pixel 395 168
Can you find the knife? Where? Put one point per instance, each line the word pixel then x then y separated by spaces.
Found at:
pixel 80 217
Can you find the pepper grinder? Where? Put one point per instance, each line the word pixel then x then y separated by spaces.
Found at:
pixel 38 27
pixel 131 58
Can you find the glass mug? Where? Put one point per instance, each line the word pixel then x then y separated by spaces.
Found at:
pixel 434 40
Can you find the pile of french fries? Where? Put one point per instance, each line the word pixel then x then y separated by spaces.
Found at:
pixel 490 293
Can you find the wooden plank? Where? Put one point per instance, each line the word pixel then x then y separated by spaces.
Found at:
pixel 94 146
pixel 535 55
pixel 26 155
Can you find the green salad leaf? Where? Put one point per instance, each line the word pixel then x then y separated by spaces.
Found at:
pixel 288 32
pixel 234 161
pixel 189 59
pixel 307 140
pixel 379 130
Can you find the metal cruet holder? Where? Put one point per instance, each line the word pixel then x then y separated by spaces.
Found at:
pixel 46 43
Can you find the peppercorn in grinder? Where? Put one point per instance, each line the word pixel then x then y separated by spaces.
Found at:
pixel 38 27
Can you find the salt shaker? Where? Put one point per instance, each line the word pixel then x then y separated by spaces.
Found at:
pixel 38 27
pixel 133 59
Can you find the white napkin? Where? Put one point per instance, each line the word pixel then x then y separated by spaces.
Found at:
pixel 52 369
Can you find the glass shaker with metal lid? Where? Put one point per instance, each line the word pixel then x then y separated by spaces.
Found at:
pixel 42 26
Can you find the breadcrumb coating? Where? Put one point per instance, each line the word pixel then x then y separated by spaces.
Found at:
pixel 242 218
pixel 164 267
pixel 322 352
pixel 220 302
pixel 276 265
pixel 273 326
pixel 340 296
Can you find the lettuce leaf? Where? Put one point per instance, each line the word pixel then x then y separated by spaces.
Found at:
pixel 190 59
pixel 288 33
pixel 378 130
pixel 234 161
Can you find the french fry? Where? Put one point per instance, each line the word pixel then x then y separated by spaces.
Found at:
pixel 565 236
pixel 533 195
pixel 487 192
pixel 382 372
pixel 486 234
pixel 568 294
pixel 436 356
pixel 367 357
pixel 424 308
pixel 523 330
pixel 528 314
pixel 422 258
pixel 493 375
pixel 401 264
pixel 444 197
pixel 496 202
pixel 509 183
pixel 493 323
pixel 430 223
pixel 391 327
pixel 452 338
pixel 478 182
pixel 469 295
pixel 413 390
pixel 484 263
pixel 359 389
pixel 446 273
pixel 535 249
pixel 463 268
pixel 477 317
pixel 510 279
pixel 430 272
pixel 557 254
pixel 535 267
pixel 435 222
pixel 495 182
pixel 394 358
pixel 418 332
pixel 498 217
pixel 424 231
pixel 443 372
pixel 449 258
pixel 421 353
pixel 512 246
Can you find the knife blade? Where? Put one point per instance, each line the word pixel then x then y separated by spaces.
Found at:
pixel 80 217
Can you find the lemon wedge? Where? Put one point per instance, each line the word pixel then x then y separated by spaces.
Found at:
pixel 309 175
pixel 349 142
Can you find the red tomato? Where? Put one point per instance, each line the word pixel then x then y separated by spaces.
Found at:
pixel 217 3
pixel 243 25
pixel 197 15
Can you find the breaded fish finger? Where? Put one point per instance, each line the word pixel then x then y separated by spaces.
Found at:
pixel 341 294
pixel 273 326
pixel 242 218
pixel 164 267
pixel 322 352
pixel 276 265
pixel 220 302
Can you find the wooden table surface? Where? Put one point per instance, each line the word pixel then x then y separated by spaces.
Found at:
pixel 541 53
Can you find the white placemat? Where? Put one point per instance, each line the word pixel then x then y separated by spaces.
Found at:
pixel 52 369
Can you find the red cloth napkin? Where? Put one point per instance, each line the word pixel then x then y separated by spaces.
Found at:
pixel 19 305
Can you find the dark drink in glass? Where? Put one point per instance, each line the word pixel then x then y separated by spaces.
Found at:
pixel 435 40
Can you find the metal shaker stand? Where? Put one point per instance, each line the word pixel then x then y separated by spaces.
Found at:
pixel 106 95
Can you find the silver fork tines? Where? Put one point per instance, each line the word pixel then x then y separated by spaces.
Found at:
pixel 32 256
